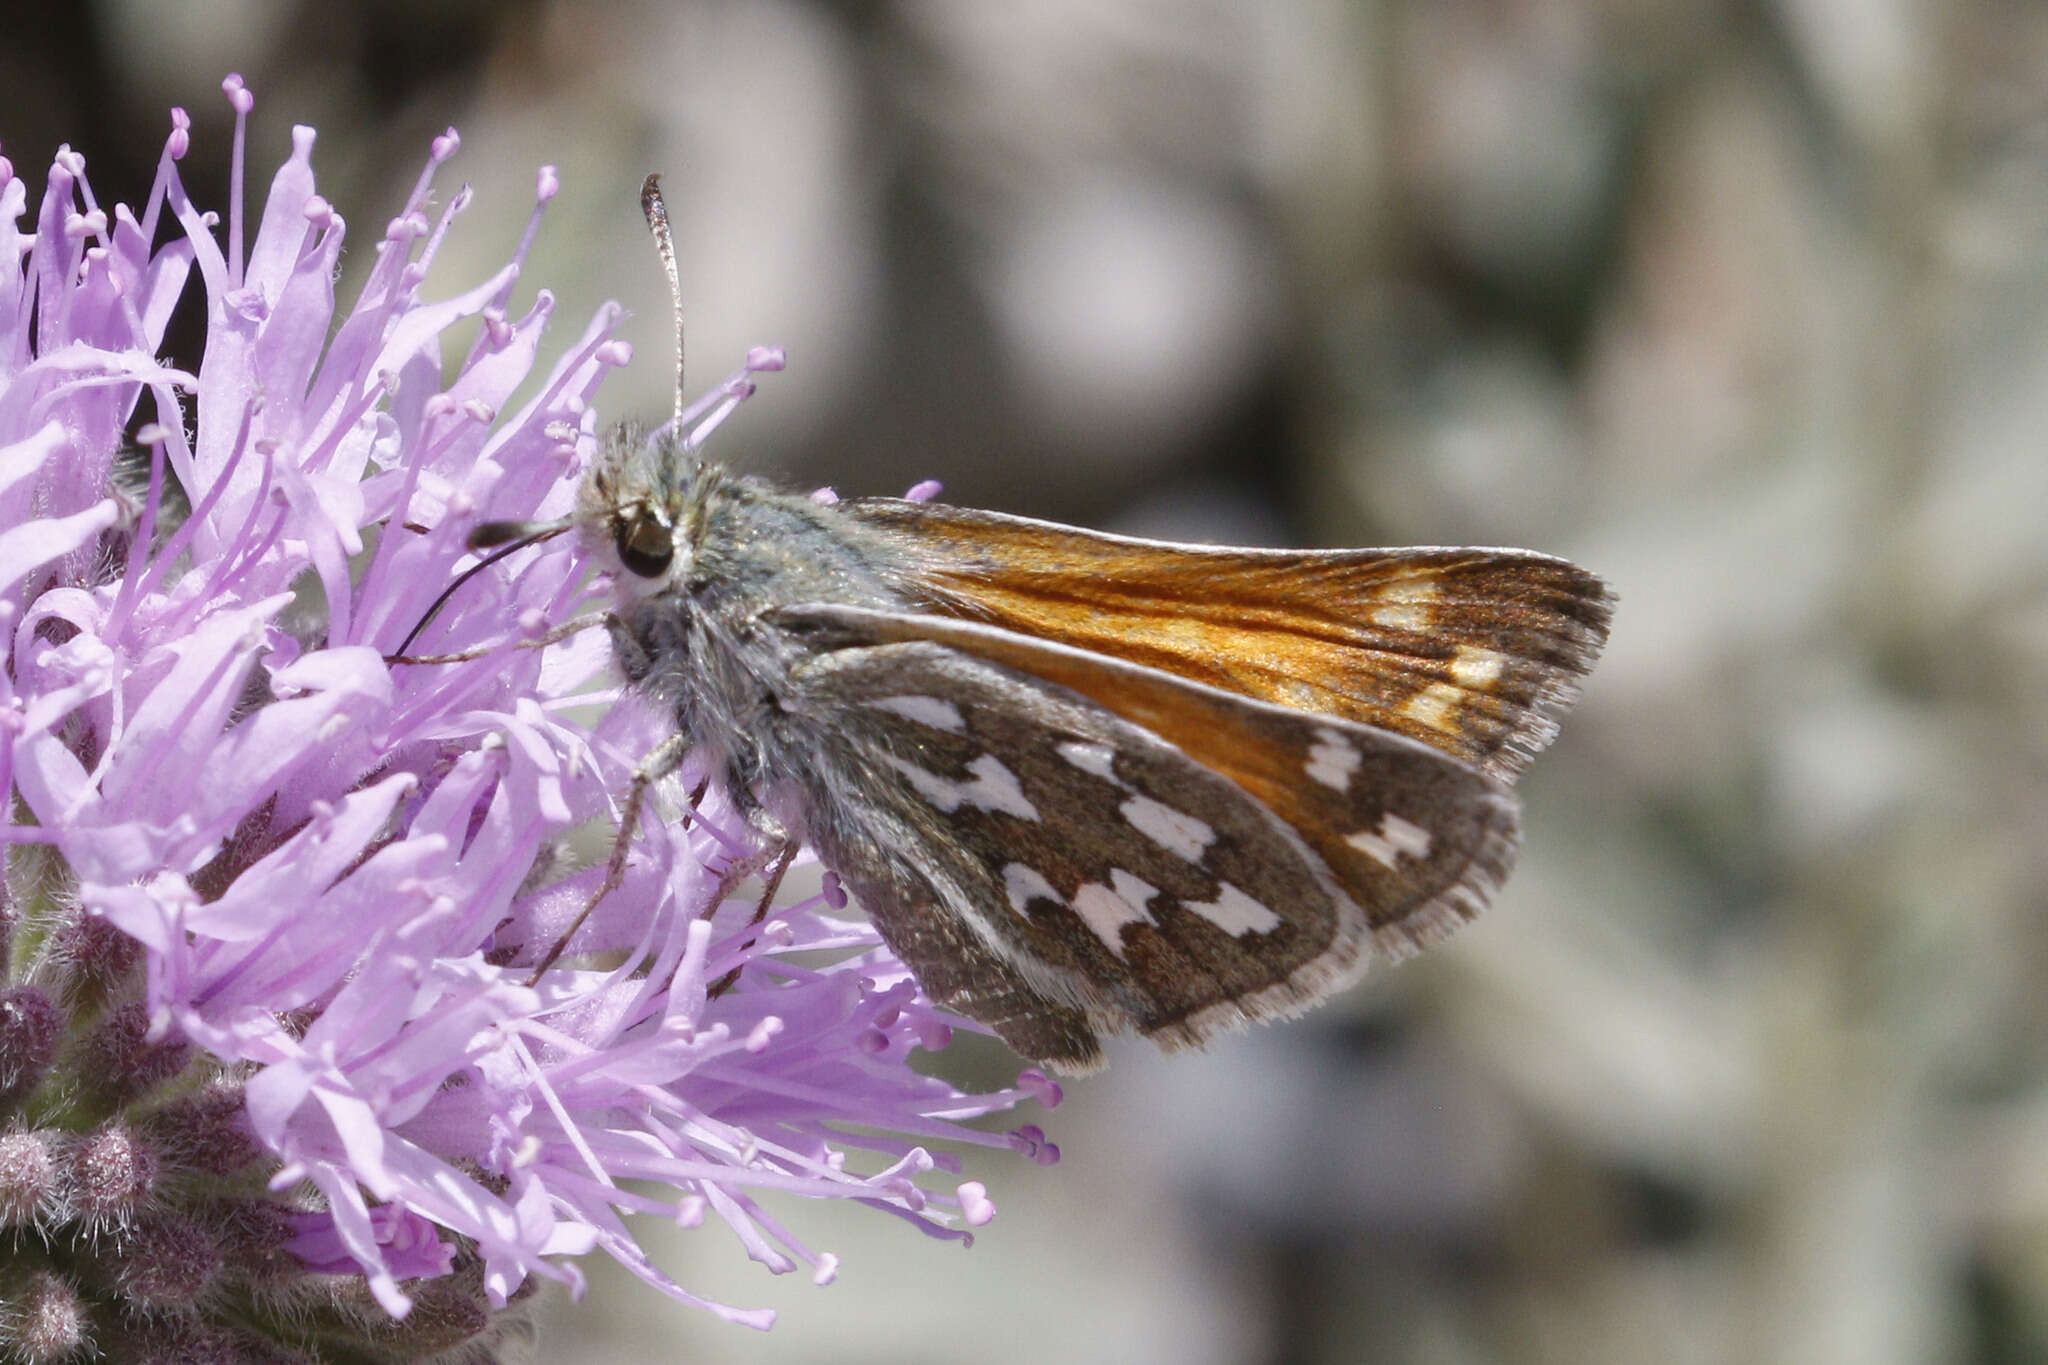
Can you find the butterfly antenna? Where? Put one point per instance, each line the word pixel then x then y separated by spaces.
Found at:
pixel 656 210
pixel 520 534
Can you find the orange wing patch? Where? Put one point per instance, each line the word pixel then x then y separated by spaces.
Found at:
pixel 1473 652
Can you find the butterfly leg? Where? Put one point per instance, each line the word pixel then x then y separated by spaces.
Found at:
pixel 666 758
pixel 771 883
pixel 574 626
pixel 696 800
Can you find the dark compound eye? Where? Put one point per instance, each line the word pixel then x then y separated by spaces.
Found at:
pixel 645 547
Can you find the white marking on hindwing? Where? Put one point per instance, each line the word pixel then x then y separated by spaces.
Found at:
pixel 1236 913
pixel 1397 838
pixel 1090 757
pixel 1332 759
pixel 936 712
pixel 994 787
pixel 1024 885
pixel 1173 830
pixel 1107 909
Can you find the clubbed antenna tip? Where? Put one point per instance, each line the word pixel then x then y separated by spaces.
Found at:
pixel 656 210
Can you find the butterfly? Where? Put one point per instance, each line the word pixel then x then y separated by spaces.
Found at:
pixel 1085 784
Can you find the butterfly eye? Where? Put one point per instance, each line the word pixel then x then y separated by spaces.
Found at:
pixel 644 544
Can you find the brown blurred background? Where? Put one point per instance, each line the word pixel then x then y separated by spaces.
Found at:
pixel 1743 305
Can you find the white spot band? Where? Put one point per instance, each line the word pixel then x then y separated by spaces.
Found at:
pixel 1025 884
pixel 1107 909
pixel 1173 830
pixel 936 712
pixel 1332 759
pixel 1396 839
pixel 1236 913
pixel 994 787
pixel 1090 757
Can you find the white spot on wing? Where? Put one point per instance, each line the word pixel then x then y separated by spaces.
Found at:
pixel 936 712
pixel 941 792
pixel 994 787
pixel 1475 666
pixel 1397 838
pixel 1405 604
pixel 1408 616
pixel 1332 759
pixel 1026 884
pixel 1090 757
pixel 1435 706
pixel 1107 909
pixel 1173 830
pixel 1236 913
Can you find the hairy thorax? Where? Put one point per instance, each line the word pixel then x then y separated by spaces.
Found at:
pixel 702 638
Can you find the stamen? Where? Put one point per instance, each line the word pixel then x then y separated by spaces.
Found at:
pixel 200 515
pixel 734 390
pixel 152 436
pixel 243 101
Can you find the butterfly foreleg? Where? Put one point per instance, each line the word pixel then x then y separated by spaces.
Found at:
pixel 665 759
pixel 554 635
pixel 771 882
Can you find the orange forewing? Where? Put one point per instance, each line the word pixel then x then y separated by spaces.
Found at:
pixel 1472 652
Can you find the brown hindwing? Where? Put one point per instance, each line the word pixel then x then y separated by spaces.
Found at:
pixel 1418 841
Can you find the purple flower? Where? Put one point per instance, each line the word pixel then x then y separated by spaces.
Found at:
pixel 268 895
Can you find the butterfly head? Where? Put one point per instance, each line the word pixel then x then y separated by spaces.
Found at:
pixel 641 510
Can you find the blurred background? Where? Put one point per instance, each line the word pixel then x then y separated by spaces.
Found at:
pixel 1743 305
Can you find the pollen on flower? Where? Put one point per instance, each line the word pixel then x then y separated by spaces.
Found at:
pixel 974 1203
pixel 276 1066
pixel 52 1319
pixel 1040 1087
pixel 109 1175
pixel 28 1179
pixel 1030 1141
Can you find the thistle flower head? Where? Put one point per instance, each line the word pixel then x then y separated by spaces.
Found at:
pixel 273 1077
